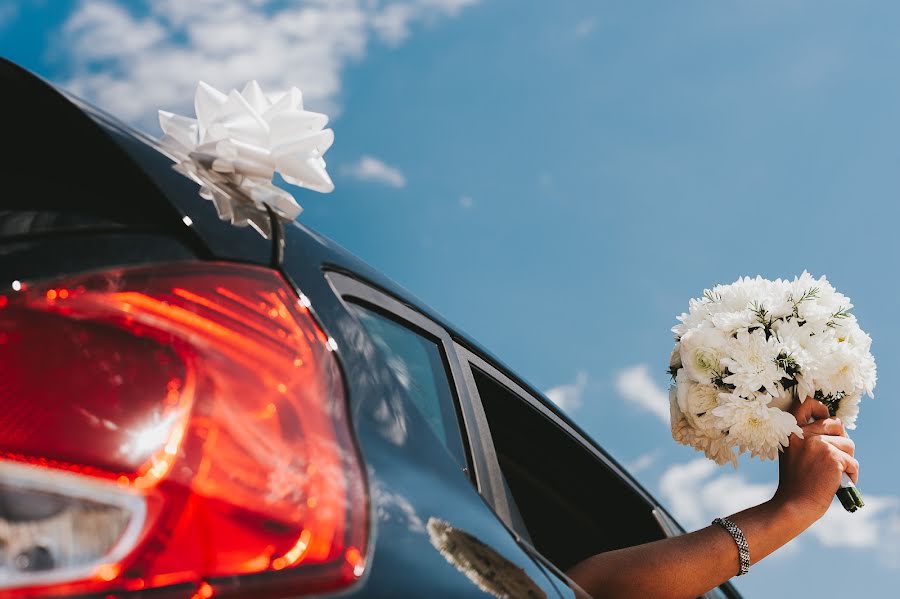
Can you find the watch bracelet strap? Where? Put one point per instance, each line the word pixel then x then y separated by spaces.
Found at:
pixel 741 542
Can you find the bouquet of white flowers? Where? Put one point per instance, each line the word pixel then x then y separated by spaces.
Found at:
pixel 745 351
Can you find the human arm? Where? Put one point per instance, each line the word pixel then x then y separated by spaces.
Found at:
pixel 690 565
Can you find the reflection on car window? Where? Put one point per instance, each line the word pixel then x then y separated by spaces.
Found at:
pixel 419 366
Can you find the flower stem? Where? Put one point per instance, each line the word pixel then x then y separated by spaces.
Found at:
pixel 849 495
pixel 845 496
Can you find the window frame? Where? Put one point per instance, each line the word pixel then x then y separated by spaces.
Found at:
pixel 477 443
pixel 468 358
pixel 669 527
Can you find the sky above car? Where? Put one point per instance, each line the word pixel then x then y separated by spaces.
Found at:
pixel 559 178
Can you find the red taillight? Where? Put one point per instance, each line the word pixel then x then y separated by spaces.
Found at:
pixel 181 427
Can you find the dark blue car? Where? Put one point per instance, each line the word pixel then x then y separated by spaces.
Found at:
pixel 195 409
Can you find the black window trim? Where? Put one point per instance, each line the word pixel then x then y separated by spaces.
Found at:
pixel 467 358
pixel 668 525
pixel 476 435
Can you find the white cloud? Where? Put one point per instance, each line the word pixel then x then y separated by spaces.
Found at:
pixel 698 491
pixel 642 462
pixel 369 168
pixel 392 24
pixel 860 529
pixel 679 486
pixel 636 385
pixel 99 30
pixel 568 396
pixel 876 526
pixel 133 65
pixel 696 496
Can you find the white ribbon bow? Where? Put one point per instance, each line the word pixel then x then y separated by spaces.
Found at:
pixel 237 143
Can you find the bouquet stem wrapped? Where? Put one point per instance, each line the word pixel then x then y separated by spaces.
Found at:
pixel 744 352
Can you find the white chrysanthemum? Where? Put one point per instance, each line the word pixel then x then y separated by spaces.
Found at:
pixel 746 292
pixel 702 350
pixel 783 400
pixel 754 426
pixel 751 361
pixel 794 343
pixel 845 368
pixel 729 322
pixel 861 343
pixel 796 339
pixel 824 301
pixel 848 410
pixel 698 312
pixel 740 294
pixel 719 450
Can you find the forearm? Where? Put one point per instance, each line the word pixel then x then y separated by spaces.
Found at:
pixel 692 564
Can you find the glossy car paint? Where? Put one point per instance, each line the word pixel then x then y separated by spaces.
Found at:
pixel 130 208
pixel 138 217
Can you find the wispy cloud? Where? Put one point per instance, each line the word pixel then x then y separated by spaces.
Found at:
pixel 695 496
pixel 636 385
pixel 568 396
pixel 698 491
pixel 150 55
pixel 392 24
pixel 643 462
pixel 369 168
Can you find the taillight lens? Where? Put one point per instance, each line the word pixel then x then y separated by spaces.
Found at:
pixel 180 427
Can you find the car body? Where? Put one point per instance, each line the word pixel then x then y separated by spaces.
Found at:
pixel 472 482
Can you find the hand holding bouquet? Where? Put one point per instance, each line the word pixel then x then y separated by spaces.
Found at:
pixel 744 352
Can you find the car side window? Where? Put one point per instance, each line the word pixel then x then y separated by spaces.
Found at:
pixel 572 504
pixel 419 365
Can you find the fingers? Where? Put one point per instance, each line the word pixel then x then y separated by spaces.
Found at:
pixel 845 444
pixel 828 426
pixel 811 409
pixel 851 466
pixel 840 450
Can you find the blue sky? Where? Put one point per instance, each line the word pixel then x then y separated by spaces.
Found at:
pixel 559 178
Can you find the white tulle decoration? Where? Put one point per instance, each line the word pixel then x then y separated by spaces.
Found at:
pixel 237 143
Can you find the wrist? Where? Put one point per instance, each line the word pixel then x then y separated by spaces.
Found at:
pixel 792 513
